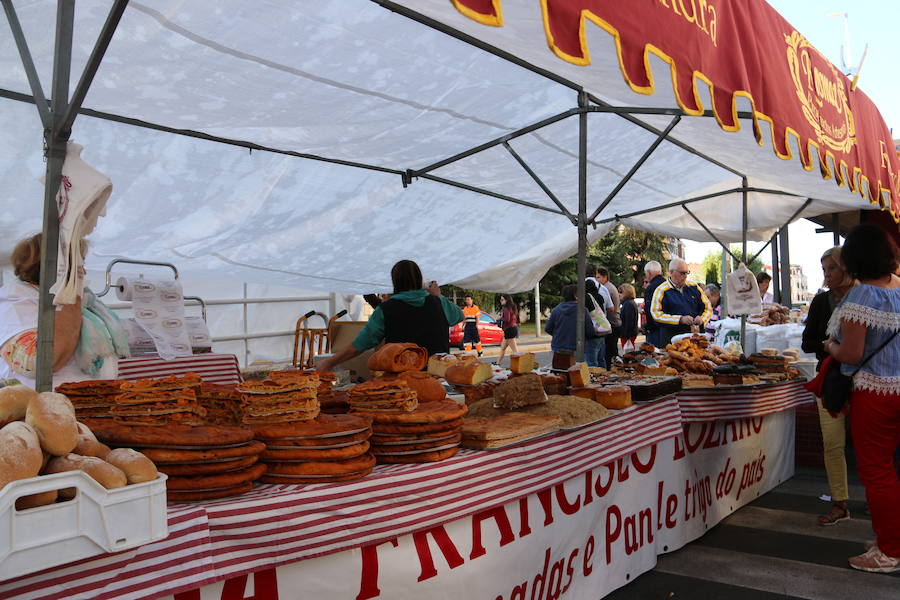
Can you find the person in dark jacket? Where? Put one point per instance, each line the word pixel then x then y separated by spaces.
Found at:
pixel 412 315
pixel 834 436
pixel 562 322
pixel 628 310
pixel 653 279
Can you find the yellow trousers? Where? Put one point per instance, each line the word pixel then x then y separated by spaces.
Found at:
pixel 834 438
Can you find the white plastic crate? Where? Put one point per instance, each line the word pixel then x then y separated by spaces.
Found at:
pixel 96 521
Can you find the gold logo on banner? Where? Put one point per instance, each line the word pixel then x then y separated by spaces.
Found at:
pixel 820 88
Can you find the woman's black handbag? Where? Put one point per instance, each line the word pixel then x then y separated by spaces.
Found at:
pixel 837 387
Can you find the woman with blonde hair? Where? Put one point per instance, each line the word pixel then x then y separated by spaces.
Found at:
pixel 834 436
pixel 628 311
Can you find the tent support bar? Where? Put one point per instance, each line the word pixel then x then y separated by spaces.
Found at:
pixel 479 190
pixel 582 227
pixel 789 221
pixel 634 120
pixel 455 33
pixel 744 223
pixel 654 110
pixel 93 63
pixel 637 213
pixel 55 141
pixel 495 142
pixel 710 233
pixel 538 181
pixel 205 136
pixel 659 139
pixel 27 62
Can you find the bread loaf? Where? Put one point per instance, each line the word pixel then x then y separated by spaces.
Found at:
pixel 426 387
pixel 468 373
pixel 88 445
pixel 99 470
pixel 579 375
pixel 35 500
pixel 522 363
pixel 615 397
pixel 53 417
pixel 20 453
pixel 520 391
pixel 137 467
pixel 438 363
pixel 14 401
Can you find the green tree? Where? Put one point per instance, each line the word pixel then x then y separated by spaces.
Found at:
pixel 756 266
pixel 712 267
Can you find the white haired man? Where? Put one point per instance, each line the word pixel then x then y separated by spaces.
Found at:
pixel 678 304
pixel 652 280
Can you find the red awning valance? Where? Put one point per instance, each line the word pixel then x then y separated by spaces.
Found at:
pixel 739 49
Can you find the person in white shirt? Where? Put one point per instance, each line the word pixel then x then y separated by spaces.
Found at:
pixel 763 280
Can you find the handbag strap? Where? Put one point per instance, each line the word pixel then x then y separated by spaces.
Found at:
pixel 879 349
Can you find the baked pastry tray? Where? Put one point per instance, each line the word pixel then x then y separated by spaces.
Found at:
pixel 511 444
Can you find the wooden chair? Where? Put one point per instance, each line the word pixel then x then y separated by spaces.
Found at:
pixel 308 341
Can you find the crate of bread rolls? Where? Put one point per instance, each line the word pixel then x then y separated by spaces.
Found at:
pixel 94 522
pixel 65 496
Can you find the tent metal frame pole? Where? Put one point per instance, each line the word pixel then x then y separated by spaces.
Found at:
pixel 708 232
pixel 687 148
pixel 34 81
pixel 582 226
pixel 479 190
pixel 494 142
pixel 744 224
pixel 640 162
pixel 645 211
pixel 776 279
pixel 93 63
pixel 784 243
pixel 789 221
pixel 55 143
pixel 96 114
pixel 540 183
pixel 836 228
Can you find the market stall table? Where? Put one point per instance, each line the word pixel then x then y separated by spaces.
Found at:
pixel 213 368
pixel 606 498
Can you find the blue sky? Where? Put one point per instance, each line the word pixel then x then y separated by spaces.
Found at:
pixel 872 22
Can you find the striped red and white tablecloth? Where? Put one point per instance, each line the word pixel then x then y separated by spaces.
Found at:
pixel 214 368
pixel 708 404
pixel 279 524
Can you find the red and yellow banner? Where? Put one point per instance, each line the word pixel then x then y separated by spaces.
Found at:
pixel 738 48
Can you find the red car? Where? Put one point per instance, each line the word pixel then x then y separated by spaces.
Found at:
pixel 488 329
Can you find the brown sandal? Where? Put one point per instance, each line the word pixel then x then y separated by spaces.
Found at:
pixel 839 512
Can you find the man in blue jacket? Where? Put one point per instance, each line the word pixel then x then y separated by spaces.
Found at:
pixel 678 304
pixel 562 322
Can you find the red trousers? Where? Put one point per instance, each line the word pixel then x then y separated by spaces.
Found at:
pixel 875 425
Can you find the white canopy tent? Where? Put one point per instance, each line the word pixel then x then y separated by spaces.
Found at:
pixel 357 111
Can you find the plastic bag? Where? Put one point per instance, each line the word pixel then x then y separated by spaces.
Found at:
pixel 743 292
pixel 598 316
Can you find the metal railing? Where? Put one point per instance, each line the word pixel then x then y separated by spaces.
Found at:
pixel 246 336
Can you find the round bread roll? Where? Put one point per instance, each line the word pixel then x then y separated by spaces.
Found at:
pixel 137 467
pixel 35 500
pixel 84 432
pixel 91 448
pixel 100 471
pixel 53 417
pixel 14 401
pixel 20 453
